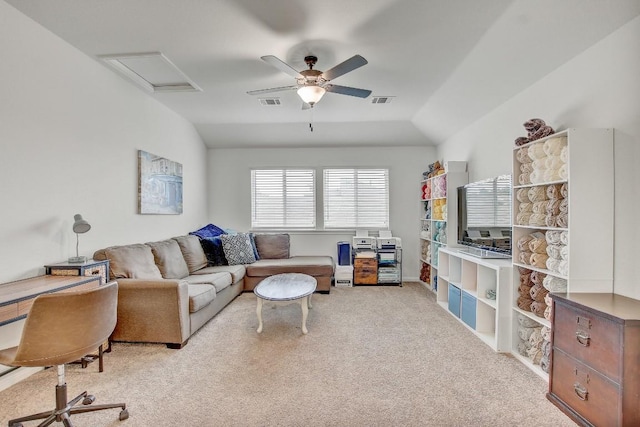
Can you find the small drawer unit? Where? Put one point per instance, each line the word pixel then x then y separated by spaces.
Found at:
pixel 365 271
pixel 454 300
pixel 468 310
pixel 90 268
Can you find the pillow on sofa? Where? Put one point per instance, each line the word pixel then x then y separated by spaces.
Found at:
pixel 192 252
pixel 237 248
pixel 132 262
pixel 272 246
pixel 169 259
pixel 212 247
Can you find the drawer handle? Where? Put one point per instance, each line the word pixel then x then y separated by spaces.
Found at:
pixel 580 391
pixel 583 338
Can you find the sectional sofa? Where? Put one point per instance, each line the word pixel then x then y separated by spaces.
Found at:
pixel 168 289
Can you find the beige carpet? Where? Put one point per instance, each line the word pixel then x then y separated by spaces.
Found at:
pixel 374 356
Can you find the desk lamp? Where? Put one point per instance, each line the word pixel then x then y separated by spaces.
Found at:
pixel 79 226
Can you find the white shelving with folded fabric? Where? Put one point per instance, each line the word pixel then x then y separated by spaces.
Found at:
pixel 562 231
pixel 438 220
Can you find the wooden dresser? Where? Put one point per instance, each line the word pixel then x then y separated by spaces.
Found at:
pixel 365 269
pixel 595 361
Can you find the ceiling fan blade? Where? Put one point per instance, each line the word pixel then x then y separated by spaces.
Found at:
pixel 273 89
pixel 346 90
pixel 356 61
pixel 282 66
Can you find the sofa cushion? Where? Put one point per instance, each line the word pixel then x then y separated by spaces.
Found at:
pixel 132 262
pixel 218 280
pixel 169 259
pixel 272 246
pixel 200 295
pixel 312 265
pixel 192 252
pixel 237 271
pixel 237 248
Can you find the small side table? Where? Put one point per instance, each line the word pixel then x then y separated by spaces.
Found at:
pixel 89 268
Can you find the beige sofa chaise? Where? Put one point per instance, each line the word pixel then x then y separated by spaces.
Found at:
pixel 167 290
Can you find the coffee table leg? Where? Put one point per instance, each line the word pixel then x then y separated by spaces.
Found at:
pixel 304 303
pixel 259 313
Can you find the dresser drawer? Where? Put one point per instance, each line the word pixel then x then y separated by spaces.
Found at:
pixel 588 338
pixel 593 396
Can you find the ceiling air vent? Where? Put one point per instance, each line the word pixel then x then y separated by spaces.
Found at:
pixel 381 99
pixel 153 71
pixel 269 101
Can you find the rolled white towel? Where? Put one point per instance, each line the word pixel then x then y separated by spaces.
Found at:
pixel 551 175
pixel 564 252
pixel 537 176
pixel 554 251
pixel 536 151
pixel 526 167
pixel 564 237
pixel 553 146
pixel 553 237
pixel 564 172
pixel 553 162
pixel 564 154
pixel 563 268
pixel 553 264
pixel 554 284
pixel 524 178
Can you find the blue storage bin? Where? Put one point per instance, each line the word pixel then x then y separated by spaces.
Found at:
pixel 454 300
pixel 468 313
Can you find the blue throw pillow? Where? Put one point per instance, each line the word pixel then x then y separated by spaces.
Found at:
pixel 207 231
pixel 253 244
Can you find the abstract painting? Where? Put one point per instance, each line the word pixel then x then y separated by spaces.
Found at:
pixel 159 185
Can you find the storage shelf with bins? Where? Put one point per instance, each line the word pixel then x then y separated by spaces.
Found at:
pixel 562 231
pixel 477 291
pixel 438 220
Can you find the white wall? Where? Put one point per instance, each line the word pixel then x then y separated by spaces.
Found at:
pixel 599 88
pixel 69 134
pixel 230 190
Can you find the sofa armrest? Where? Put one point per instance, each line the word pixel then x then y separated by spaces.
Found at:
pixel 153 310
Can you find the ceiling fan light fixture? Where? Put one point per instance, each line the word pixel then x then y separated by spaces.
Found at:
pixel 311 94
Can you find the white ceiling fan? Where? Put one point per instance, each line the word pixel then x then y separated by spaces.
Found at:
pixel 312 84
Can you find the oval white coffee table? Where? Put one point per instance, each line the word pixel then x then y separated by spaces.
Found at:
pixel 286 288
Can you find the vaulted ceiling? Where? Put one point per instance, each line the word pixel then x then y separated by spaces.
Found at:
pixel 445 63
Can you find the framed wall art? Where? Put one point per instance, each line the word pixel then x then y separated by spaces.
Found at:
pixel 159 185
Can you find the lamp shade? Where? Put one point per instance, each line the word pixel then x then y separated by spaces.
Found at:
pixel 80 225
pixel 311 94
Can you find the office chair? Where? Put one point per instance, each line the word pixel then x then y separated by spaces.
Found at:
pixel 60 328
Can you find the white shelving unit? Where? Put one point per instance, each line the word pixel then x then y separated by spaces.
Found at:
pixel 463 287
pixel 439 228
pixel 583 258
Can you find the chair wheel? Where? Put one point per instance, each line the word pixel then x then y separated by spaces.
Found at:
pixel 124 414
pixel 89 399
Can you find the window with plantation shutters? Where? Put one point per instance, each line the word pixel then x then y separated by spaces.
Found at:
pixel 283 198
pixel 489 203
pixel 356 198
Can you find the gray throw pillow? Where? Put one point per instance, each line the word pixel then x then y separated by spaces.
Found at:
pixel 272 246
pixel 237 248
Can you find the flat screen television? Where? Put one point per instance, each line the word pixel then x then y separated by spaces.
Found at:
pixel 484 217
